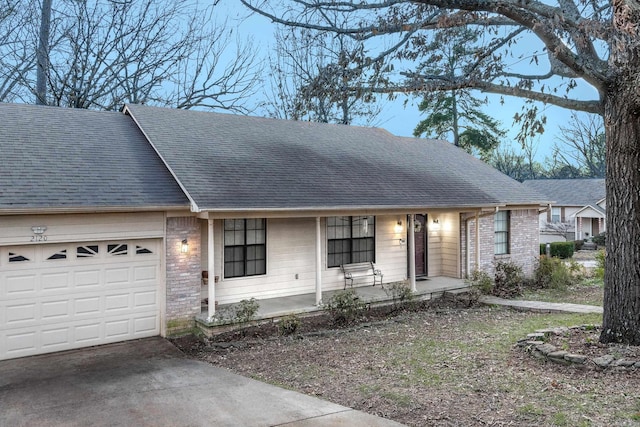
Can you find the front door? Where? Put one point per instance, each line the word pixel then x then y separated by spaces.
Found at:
pixel 420 235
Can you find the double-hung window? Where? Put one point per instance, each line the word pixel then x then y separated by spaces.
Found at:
pixel 501 228
pixel 351 239
pixel 245 249
pixel 556 214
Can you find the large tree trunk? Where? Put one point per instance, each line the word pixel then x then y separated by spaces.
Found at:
pixel 621 321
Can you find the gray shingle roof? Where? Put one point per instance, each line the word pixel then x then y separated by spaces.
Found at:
pixel 61 158
pixel 570 192
pixel 237 162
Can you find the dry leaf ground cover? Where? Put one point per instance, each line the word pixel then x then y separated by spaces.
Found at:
pixel 441 365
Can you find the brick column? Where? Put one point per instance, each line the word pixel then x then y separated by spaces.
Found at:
pixel 183 274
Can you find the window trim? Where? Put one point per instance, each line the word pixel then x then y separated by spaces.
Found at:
pixel 506 232
pixel 352 239
pixel 244 246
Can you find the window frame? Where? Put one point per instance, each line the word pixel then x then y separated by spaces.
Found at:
pixel 558 216
pixel 502 229
pixel 356 248
pixel 248 252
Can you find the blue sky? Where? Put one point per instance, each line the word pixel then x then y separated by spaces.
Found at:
pixel 401 119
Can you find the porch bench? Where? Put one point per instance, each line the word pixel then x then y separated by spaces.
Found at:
pixel 361 269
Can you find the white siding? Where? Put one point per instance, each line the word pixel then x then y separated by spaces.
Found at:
pixel 16 230
pixel 291 251
pixel 444 245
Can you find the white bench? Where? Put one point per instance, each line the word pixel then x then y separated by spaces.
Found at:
pixel 361 269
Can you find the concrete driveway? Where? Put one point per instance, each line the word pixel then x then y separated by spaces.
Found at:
pixel 150 383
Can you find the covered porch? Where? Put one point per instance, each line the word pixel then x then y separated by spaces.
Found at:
pixel 273 308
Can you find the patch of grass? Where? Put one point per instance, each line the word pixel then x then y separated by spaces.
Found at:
pixel 400 399
pixel 530 409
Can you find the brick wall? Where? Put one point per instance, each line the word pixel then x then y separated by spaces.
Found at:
pixel 183 274
pixel 523 242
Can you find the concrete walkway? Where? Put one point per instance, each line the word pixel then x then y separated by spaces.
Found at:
pixel 541 306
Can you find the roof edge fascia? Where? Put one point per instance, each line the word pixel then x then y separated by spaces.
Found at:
pixel 90 210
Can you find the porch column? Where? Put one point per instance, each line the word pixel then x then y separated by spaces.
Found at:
pixel 211 308
pixel 412 252
pixel 318 262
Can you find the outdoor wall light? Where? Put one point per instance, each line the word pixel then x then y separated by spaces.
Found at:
pixel 398 227
pixel 435 225
pixel 184 247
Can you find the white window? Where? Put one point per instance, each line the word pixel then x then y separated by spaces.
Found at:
pixel 501 228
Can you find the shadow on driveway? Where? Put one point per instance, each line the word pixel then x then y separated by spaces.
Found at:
pixel 149 382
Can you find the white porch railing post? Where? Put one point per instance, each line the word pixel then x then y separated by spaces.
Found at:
pixel 412 252
pixel 211 309
pixel 318 262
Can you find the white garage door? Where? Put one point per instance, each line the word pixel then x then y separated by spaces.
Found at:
pixel 57 297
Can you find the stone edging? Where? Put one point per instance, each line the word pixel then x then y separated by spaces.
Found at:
pixel 536 345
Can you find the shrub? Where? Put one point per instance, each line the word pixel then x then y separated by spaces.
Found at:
pixel 578 244
pixel 562 249
pixel 246 310
pixel 508 280
pixel 399 292
pixel 552 273
pixel 289 325
pixel 345 307
pixel 481 281
pixel 600 239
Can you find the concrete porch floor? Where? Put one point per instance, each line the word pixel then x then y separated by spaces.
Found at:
pixel 306 303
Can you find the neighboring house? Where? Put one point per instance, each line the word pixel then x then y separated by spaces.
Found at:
pixel 108 220
pixel 578 211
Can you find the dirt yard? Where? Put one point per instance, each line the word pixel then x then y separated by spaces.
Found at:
pixel 440 365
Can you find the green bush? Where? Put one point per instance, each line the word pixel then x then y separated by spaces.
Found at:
pixel 600 239
pixel 345 307
pixel 578 244
pixel 508 280
pixel 481 281
pixel 399 293
pixel 288 325
pixel 246 310
pixel 560 249
pixel 552 273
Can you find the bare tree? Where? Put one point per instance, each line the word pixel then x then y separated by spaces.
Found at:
pixel 581 145
pixel 539 51
pixel 16 55
pixel 312 74
pixel 105 53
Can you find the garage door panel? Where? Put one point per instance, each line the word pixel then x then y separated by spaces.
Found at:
pixel 87 278
pixel 144 325
pixel 117 276
pixel 144 299
pixel 55 310
pixel 21 313
pixel 117 302
pixel 89 306
pixel 58 281
pixel 60 303
pixel 20 284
